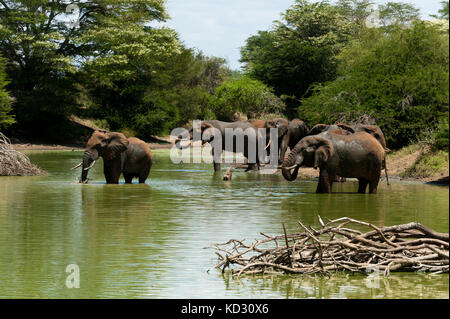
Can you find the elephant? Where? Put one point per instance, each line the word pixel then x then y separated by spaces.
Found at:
pixel 248 134
pixel 358 155
pixel 373 130
pixel 257 123
pixel 289 134
pixel 130 156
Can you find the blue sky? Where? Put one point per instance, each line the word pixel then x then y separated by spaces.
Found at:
pixel 220 27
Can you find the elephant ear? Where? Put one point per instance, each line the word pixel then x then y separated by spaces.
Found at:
pixel 319 128
pixel 282 130
pixel 117 143
pixel 376 132
pixel 346 127
pixel 208 131
pixel 324 150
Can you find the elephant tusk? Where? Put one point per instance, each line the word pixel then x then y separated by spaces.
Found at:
pixel 268 145
pixel 81 163
pixel 291 167
pixel 92 165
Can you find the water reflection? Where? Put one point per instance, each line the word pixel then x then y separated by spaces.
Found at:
pixel 140 241
pixel 341 285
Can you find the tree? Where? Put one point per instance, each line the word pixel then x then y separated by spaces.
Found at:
pixel 43 51
pixel 443 12
pixel 6 119
pixel 299 50
pixel 398 77
pixel 245 95
pixel 155 97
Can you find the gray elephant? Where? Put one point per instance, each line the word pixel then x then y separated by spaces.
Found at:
pixel 130 156
pixel 243 131
pixel 289 134
pixel 358 155
pixel 373 130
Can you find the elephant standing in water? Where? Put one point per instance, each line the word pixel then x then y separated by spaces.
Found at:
pixel 358 155
pixel 245 139
pixel 373 130
pixel 289 134
pixel 130 156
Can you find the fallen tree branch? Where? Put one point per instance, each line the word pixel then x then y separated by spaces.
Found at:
pixel 407 247
pixel 14 163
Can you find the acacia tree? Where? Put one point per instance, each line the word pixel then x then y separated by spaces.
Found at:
pixel 110 38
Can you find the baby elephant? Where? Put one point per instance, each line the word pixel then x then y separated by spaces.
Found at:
pixel 130 156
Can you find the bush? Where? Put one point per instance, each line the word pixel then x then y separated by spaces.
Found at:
pixel 441 137
pixel 245 95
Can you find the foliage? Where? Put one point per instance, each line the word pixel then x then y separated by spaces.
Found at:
pixel 299 50
pixel 245 95
pixel 156 98
pixel 112 39
pixel 428 164
pixel 441 141
pixel 6 119
pixel 399 77
pixel 443 12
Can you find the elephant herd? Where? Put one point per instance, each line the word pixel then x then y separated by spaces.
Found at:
pixel 338 151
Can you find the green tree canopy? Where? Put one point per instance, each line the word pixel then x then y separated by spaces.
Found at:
pixel 299 50
pixel 245 95
pixel 400 78
pixel 6 119
pixel 109 38
pixel 443 12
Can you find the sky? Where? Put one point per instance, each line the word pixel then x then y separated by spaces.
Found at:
pixel 220 27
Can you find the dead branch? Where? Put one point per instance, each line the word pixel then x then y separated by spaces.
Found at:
pixel 14 163
pixel 407 247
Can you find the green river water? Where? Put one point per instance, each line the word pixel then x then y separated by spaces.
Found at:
pixel 147 241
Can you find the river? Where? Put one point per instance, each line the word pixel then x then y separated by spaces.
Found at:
pixel 148 241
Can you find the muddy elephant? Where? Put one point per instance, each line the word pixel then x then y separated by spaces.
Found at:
pixel 244 140
pixel 289 134
pixel 358 155
pixel 130 156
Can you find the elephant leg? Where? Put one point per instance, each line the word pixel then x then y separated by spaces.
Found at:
pixel 373 184
pixel 325 182
pixel 112 171
pixel 143 175
pixel 128 178
pixel 216 165
pixel 362 185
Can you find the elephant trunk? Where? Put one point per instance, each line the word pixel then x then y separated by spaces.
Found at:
pixel 292 161
pixel 89 158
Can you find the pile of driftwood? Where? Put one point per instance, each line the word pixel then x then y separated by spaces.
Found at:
pixel 14 163
pixel 339 245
